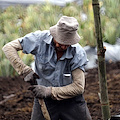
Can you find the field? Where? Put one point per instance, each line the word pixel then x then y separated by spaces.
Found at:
pixel 16 101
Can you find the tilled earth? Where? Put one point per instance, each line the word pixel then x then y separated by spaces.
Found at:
pixel 16 101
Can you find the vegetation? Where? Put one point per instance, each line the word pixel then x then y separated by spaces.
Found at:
pixel 18 21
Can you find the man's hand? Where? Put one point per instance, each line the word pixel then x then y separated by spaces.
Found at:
pixel 31 78
pixel 40 91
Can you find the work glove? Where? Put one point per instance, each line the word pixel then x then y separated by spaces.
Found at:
pixel 31 78
pixel 40 91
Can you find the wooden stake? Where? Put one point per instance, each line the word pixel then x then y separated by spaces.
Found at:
pixel 101 63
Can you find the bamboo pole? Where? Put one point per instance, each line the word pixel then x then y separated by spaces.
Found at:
pixel 101 63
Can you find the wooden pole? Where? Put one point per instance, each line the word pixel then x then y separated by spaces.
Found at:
pixel 101 63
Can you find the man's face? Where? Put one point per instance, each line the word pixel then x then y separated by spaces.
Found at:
pixel 60 47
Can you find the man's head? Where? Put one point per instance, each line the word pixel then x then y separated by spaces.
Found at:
pixel 59 46
pixel 65 31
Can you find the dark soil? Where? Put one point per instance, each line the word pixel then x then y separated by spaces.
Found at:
pixel 16 101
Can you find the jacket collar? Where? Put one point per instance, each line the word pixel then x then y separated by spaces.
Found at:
pixel 48 38
pixel 68 54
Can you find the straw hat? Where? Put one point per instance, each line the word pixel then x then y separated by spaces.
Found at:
pixel 65 31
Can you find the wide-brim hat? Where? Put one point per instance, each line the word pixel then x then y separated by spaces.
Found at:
pixel 65 31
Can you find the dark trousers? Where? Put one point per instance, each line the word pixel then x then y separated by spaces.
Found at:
pixel 69 109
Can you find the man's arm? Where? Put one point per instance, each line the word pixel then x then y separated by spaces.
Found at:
pixel 71 90
pixel 65 92
pixel 10 50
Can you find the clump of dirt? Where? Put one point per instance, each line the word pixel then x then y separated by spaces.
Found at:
pixel 16 101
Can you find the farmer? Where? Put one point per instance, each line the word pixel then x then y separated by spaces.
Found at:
pixel 59 71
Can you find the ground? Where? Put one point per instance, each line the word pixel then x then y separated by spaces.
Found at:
pixel 16 101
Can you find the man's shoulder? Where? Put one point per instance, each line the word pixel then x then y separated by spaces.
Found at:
pixel 42 33
pixel 78 47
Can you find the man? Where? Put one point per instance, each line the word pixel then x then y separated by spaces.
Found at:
pixel 59 71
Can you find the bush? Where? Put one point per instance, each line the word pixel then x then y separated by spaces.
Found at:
pixel 18 21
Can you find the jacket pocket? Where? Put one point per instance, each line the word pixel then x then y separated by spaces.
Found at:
pixel 67 79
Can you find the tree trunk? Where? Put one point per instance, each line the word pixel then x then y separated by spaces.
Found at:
pixel 101 63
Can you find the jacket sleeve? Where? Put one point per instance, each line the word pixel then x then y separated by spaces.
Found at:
pixel 10 50
pixel 71 90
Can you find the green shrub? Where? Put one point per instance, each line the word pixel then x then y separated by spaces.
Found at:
pixel 18 21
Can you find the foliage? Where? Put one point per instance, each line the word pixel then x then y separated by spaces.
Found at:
pixel 18 21
pixel 110 20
